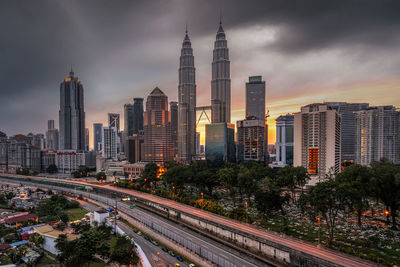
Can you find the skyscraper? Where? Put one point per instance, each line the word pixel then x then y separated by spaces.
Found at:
pixel 109 142
pixel 87 139
pixel 377 135
pixel 128 120
pixel 113 120
pixel 348 135
pixel 250 139
pixel 51 136
pixel 221 82
pixel 220 143
pixel 158 145
pixel 97 136
pixel 317 140
pixel 284 139
pixel 187 103
pixel 137 115
pixel 72 114
pixel 255 98
pixel 174 126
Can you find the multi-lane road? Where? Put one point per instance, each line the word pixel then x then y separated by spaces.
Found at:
pixel 322 253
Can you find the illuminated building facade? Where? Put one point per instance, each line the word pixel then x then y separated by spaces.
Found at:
pixel 317 140
pixel 158 146
pixel 97 136
pixel 72 114
pixel 377 135
pixel 250 140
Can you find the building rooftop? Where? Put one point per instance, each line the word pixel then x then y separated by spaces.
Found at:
pixel 21 218
pixel 47 230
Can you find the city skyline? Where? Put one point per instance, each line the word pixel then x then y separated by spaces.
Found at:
pixel 279 45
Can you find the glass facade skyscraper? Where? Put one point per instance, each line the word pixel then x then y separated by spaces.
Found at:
pixel 220 143
pixel 137 115
pixel 255 98
pixel 284 139
pixel 97 136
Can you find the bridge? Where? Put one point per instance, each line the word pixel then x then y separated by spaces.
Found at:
pixel 265 246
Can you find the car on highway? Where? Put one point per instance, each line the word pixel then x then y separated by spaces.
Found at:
pixel 164 249
pixel 171 253
pixel 179 258
pixel 154 243
pixel 192 265
pixel 147 238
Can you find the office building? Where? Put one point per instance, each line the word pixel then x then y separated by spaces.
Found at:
pixel 317 130
pixel 87 139
pixel 187 103
pixel 348 134
pixel 284 140
pixel 72 114
pixel 113 120
pixel 173 107
pixel 68 161
pixel 158 145
pixel 377 135
pixel 135 148
pixel 97 136
pixel 109 142
pixel 137 115
pixel 221 82
pixel 220 143
pixel 197 143
pixel 22 154
pixel 39 141
pixel 48 157
pixel 51 136
pixel 3 152
pixel 128 120
pixel 250 140
pixel 255 98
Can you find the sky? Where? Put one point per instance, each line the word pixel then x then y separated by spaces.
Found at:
pixel 306 51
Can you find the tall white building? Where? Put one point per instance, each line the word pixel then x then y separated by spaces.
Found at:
pixel 317 136
pixel 377 135
pixel 284 140
pixel 109 142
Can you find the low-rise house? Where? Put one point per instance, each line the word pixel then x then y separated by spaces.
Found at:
pixel 50 236
pixel 17 220
pixel 99 216
pixel 19 243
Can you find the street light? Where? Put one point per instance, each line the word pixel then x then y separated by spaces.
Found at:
pixel 202 194
pixel 319 231
pixel 245 203
pixel 158 254
pixel 387 216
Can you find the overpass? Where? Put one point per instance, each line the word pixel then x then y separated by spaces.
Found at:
pixel 264 245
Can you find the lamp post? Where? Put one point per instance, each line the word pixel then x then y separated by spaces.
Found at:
pixel 202 194
pixel 319 231
pixel 245 203
pixel 387 216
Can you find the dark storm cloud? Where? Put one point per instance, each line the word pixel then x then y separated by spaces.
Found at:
pixel 121 48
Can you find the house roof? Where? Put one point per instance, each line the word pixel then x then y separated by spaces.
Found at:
pixel 47 230
pixel 19 243
pixel 4 246
pixel 21 218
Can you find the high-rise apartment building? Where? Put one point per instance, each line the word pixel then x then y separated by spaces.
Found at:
pixel 377 135
pixel 158 145
pixel 72 114
pixel 128 120
pixel 173 108
pixel 255 98
pixel 97 136
pixel 284 140
pixel 348 135
pixel 317 140
pixel 137 115
pixel 221 82
pixel 220 142
pixel 51 136
pixel 187 103
pixel 109 142
pixel 113 120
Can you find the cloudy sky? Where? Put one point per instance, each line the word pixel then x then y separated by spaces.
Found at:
pixel 306 51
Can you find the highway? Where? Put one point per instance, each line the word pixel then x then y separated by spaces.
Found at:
pixel 322 253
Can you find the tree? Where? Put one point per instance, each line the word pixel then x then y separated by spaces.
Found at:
pixel 325 199
pixel 123 251
pixel 356 180
pixel 150 172
pixel 386 186
pixel 178 175
pixel 293 178
pixel 229 178
pixel 268 197
pixel 101 176
pixel 52 168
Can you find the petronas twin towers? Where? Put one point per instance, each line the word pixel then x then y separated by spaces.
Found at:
pixel 220 93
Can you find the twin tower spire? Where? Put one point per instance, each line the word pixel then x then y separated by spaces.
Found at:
pixel 220 92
